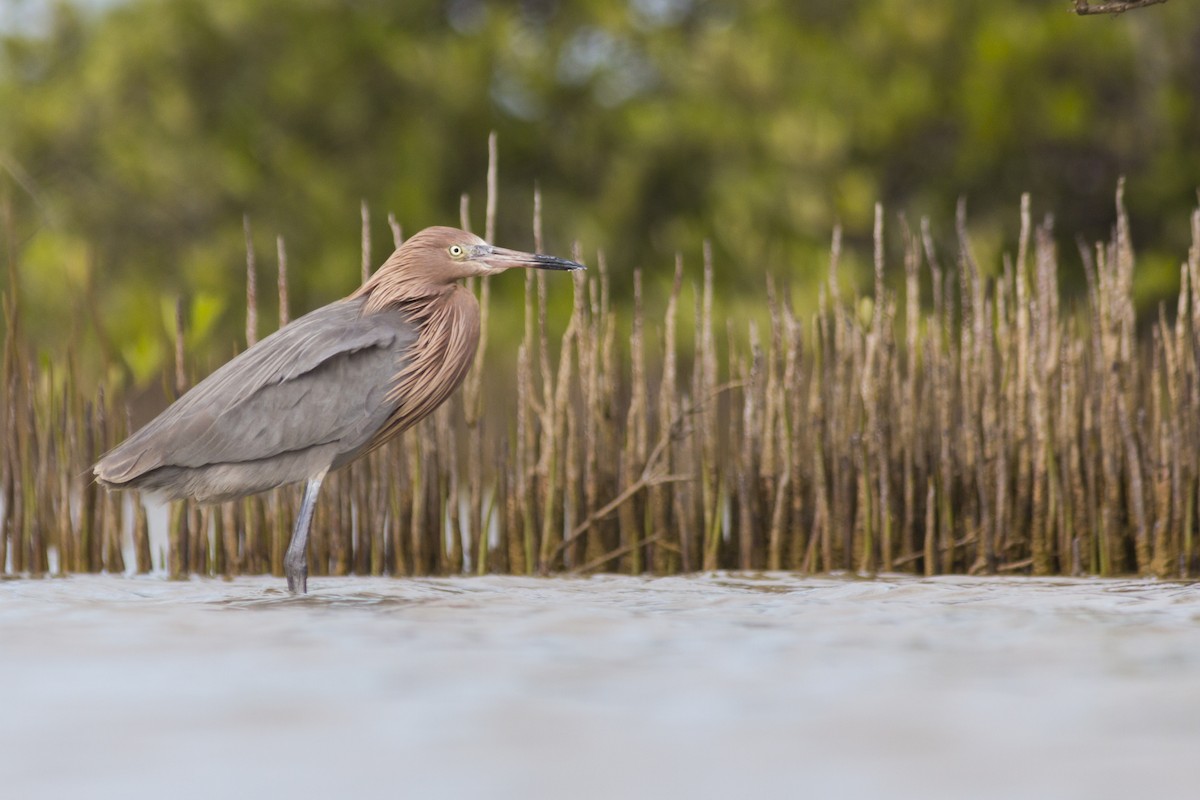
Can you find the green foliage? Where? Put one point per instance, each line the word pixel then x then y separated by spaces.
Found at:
pixel 134 137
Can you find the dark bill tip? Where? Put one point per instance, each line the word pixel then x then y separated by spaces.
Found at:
pixel 553 262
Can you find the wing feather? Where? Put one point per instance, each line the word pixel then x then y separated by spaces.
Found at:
pixel 322 379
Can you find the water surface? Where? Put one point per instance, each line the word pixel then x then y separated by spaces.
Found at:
pixel 507 687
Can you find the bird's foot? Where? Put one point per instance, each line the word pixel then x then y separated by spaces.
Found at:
pixel 296 570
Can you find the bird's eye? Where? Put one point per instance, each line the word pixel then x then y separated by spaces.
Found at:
pixel 456 251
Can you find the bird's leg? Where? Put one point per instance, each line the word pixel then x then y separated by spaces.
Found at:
pixel 295 563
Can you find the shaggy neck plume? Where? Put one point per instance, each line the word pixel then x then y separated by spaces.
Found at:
pixel 447 317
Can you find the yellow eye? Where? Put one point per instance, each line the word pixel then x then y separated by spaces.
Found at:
pixel 456 251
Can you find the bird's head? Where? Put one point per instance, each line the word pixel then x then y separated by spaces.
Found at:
pixel 448 254
pixel 430 262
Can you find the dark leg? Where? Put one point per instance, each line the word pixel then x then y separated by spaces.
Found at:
pixel 295 563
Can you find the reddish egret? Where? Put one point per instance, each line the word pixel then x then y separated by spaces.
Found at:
pixel 325 389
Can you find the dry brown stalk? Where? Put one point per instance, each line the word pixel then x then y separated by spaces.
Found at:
pixel 747 455
pixel 281 281
pixel 992 429
pixel 654 470
pixel 181 381
pixel 588 355
pixel 555 452
pixel 519 524
pixel 493 165
pixel 573 455
pixel 706 364
pixel 397 231
pixel 798 435
pixel 659 502
pixel 251 286
pixel 634 449
pixel 365 214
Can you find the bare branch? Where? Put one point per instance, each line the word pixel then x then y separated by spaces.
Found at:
pixel 652 475
pixel 600 561
pixel 1083 8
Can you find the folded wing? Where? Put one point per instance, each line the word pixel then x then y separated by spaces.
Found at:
pixel 314 391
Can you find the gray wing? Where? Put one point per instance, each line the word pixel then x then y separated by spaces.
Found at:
pixel 320 382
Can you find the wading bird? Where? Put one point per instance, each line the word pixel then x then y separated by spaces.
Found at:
pixel 325 389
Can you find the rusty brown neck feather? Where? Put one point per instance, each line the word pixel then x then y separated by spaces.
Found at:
pixel 447 316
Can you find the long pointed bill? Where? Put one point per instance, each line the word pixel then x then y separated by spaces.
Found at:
pixel 499 258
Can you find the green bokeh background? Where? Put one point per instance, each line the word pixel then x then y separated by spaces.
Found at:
pixel 134 136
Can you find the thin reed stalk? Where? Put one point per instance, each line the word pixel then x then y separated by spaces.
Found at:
pixel 969 421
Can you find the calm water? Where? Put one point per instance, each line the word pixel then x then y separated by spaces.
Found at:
pixel 717 685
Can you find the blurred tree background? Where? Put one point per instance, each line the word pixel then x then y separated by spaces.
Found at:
pixel 134 135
